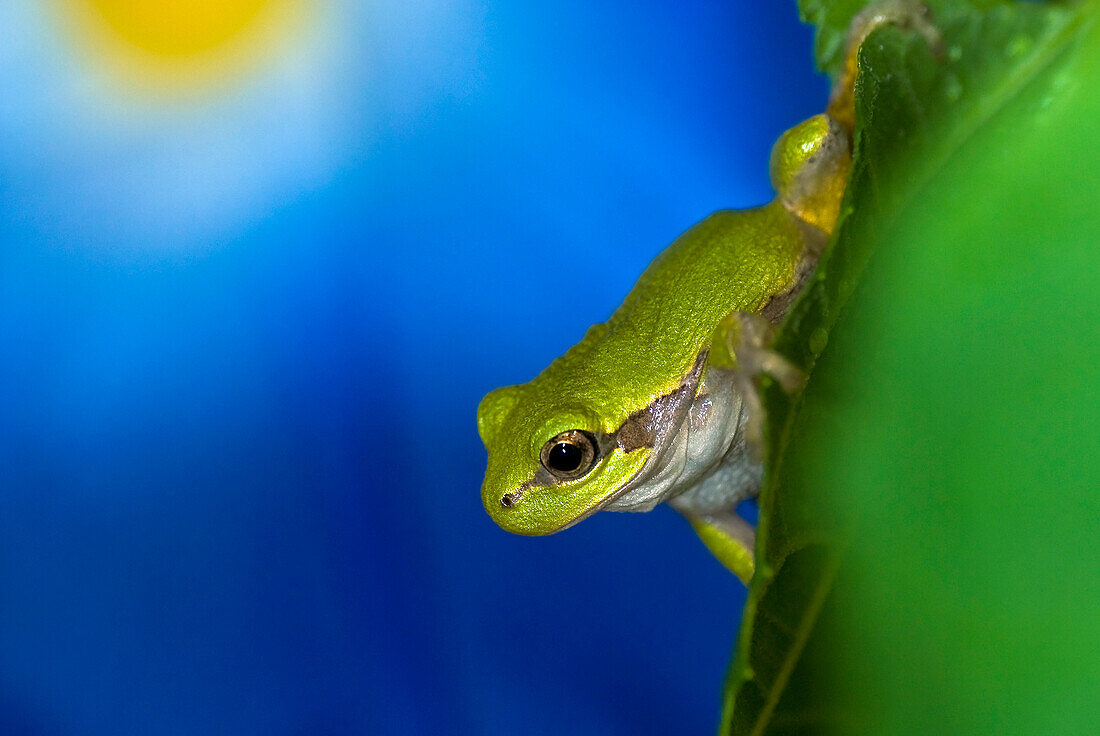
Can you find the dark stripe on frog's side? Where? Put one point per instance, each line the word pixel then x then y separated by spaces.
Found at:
pixel 642 429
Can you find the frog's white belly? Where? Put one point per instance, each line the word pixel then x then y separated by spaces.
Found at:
pixel 703 464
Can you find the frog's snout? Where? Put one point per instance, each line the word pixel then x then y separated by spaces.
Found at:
pixel 508 500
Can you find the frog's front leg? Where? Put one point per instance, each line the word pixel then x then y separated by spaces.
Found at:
pixel 743 342
pixel 729 538
pixel 740 353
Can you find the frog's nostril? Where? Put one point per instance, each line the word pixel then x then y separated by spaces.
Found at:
pixel 508 500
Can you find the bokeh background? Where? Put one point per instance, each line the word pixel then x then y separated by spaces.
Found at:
pixel 259 260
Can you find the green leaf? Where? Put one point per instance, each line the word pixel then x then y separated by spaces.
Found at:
pixel 927 555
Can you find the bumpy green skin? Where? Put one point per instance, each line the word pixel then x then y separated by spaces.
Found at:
pixel 683 318
pixel 730 262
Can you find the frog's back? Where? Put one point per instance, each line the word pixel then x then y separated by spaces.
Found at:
pixel 729 262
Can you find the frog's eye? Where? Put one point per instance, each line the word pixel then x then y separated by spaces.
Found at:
pixel 569 455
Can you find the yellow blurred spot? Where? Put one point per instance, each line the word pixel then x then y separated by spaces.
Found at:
pixel 178 27
pixel 174 44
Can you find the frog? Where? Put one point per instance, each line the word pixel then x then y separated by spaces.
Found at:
pixel 661 403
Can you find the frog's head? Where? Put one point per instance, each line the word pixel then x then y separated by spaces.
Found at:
pixel 551 465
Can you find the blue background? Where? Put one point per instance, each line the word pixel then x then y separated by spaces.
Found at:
pixel 242 341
